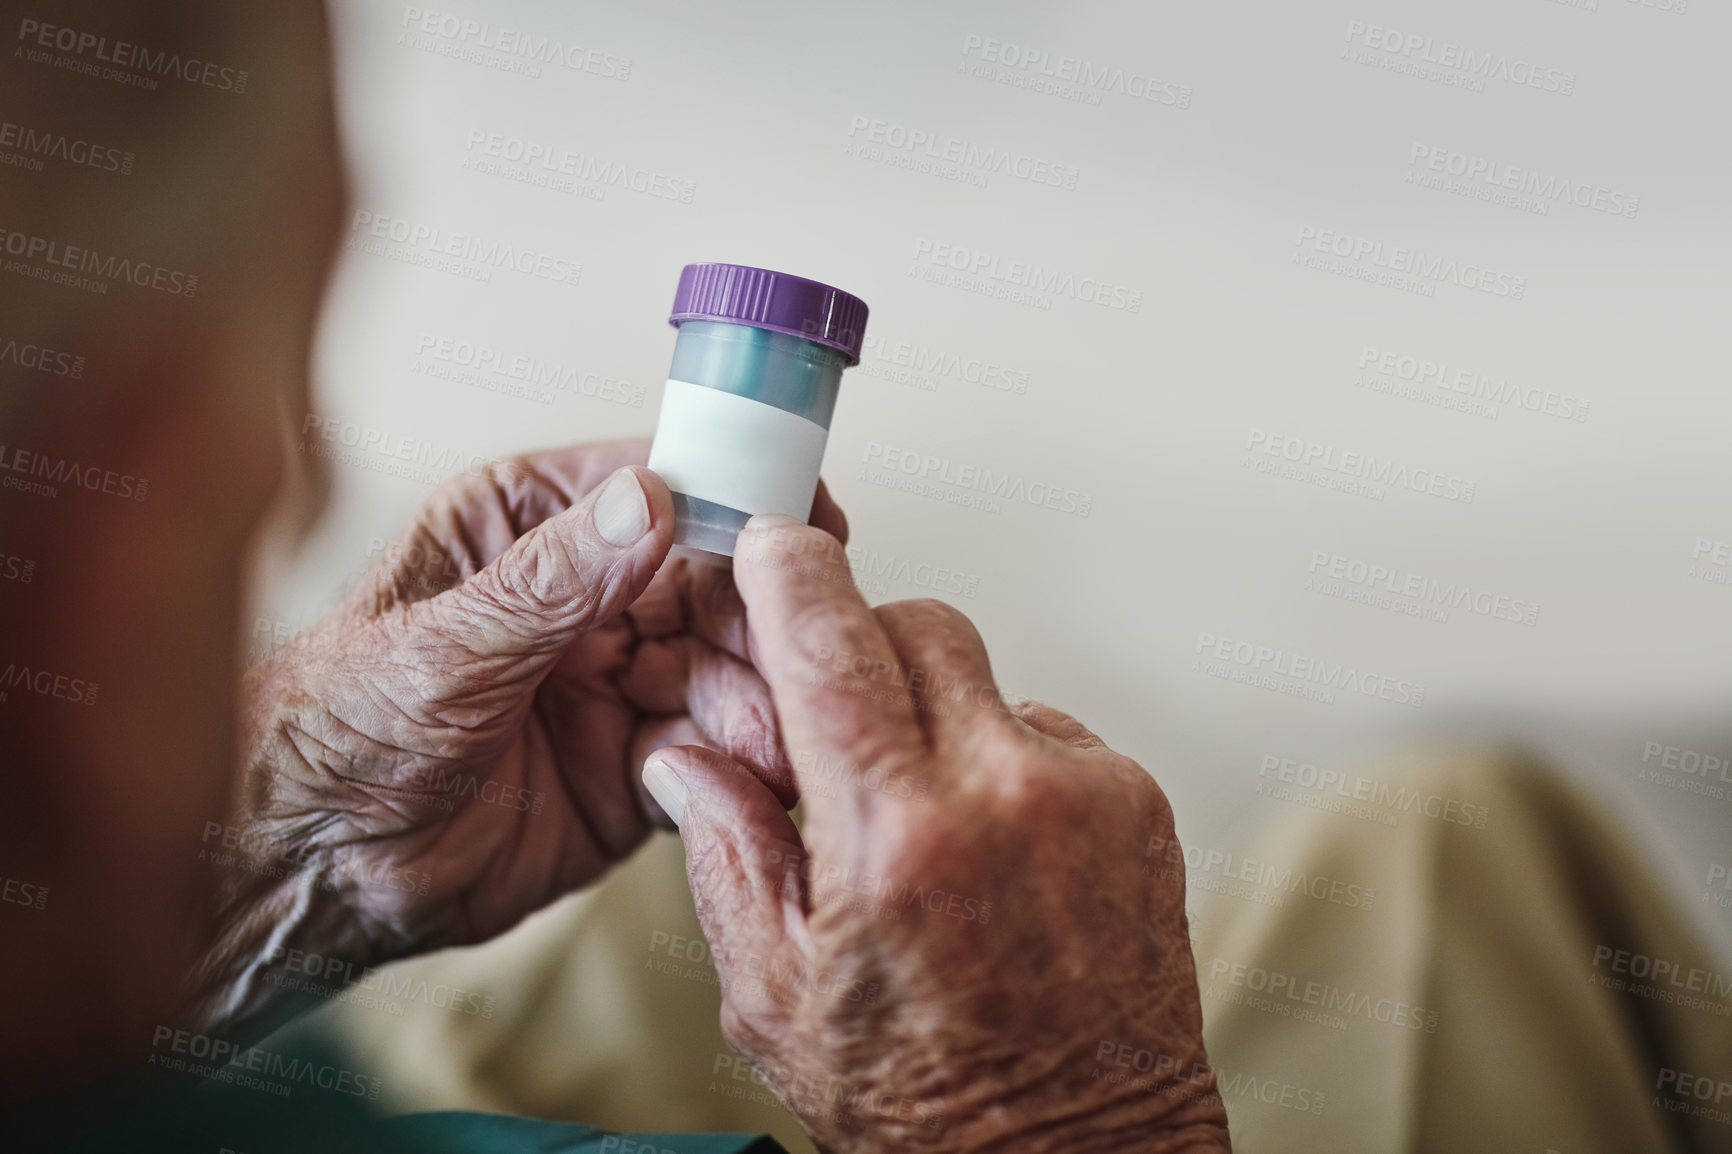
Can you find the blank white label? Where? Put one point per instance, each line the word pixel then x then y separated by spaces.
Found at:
pixel 722 447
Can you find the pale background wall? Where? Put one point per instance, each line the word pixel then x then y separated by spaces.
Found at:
pixel 1148 413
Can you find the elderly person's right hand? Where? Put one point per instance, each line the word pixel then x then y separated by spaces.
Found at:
pixel 964 949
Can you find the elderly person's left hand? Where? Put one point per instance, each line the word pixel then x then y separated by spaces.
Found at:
pixel 458 743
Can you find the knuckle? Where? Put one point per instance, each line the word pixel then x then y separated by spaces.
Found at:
pixel 1151 798
pixel 930 613
pixel 747 1030
pixel 1027 792
pixel 735 1030
pixel 543 581
pixel 910 840
pixel 714 873
pixel 829 640
pixel 543 573
pixel 468 490
pixel 714 596
pixel 751 733
pixel 504 481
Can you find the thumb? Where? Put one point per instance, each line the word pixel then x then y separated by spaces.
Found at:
pixel 746 864
pixel 574 571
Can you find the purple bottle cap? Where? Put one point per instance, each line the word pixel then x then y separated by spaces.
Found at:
pixel 770 300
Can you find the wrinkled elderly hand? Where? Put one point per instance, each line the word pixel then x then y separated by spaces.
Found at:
pixel 979 942
pixel 456 745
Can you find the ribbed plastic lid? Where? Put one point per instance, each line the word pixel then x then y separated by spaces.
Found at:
pixel 771 300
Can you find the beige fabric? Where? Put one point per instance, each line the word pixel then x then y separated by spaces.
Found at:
pixel 1495 931
pixel 607 1007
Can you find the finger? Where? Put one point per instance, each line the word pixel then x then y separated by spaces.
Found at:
pixel 947 668
pixel 648 737
pixel 565 576
pixel 747 867
pixel 711 608
pixel 725 697
pixel 840 690
pixel 470 520
pixel 544 483
pixel 587 737
pixel 695 593
pixel 1055 723
pixel 827 515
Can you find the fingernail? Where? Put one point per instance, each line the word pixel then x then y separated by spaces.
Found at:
pixel 768 522
pixel 621 512
pixel 667 788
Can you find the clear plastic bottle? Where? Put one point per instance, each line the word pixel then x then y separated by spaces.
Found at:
pixel 746 412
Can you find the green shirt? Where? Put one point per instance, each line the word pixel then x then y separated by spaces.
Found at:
pixel 286 1112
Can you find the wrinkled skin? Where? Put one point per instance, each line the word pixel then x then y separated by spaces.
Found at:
pixel 457 744
pixel 982 922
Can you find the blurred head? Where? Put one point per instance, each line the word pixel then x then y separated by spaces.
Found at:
pixel 154 463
